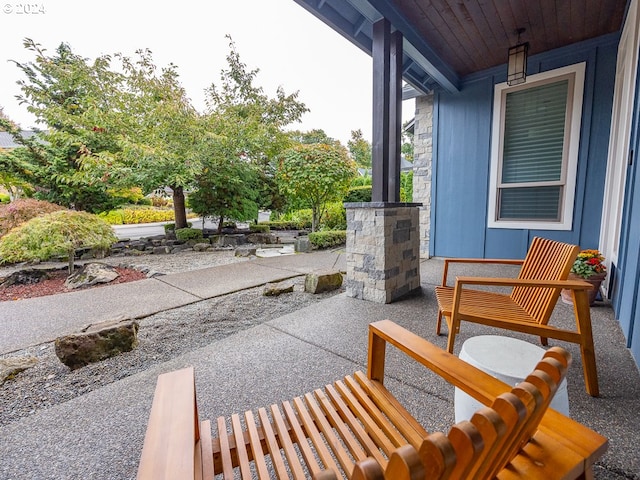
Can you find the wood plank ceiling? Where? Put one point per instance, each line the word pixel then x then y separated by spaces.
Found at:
pixel 473 35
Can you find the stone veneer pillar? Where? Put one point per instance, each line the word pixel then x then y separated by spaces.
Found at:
pixel 422 157
pixel 383 250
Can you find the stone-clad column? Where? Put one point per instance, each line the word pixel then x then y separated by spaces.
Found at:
pixel 422 160
pixel 383 251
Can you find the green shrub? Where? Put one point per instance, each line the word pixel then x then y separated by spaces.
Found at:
pixel 185 234
pixel 170 227
pixel 334 217
pixel 21 211
pixel 4 198
pixel 278 225
pixel 229 224
pixel 113 217
pixel 406 187
pixel 259 228
pixel 298 219
pixel 328 238
pixel 359 194
pixel 145 201
pixel 361 181
pixel 55 234
pixel 134 214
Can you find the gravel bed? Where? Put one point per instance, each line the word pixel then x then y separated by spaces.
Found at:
pixel 162 337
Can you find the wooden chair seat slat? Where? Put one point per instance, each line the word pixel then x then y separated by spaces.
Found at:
pixel 256 447
pixel 370 425
pixel 338 432
pixel 206 449
pixel 314 435
pixel 301 439
pixel 372 409
pixel 272 444
pixel 348 438
pixel 330 437
pixel 535 292
pixel 354 425
pixel 241 451
pixel 225 450
pixel 399 416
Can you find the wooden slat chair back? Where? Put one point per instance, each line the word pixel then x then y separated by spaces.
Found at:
pixel 543 274
pixel 545 260
pixel 356 429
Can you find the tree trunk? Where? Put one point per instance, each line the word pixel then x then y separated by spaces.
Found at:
pixel 315 218
pixel 220 224
pixel 179 210
pixel 72 254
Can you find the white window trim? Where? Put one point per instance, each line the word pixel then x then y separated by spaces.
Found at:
pixel 497 132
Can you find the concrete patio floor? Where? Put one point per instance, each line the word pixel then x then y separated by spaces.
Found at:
pixel 99 435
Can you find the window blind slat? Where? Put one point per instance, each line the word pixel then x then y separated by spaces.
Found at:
pixel 526 203
pixel 534 134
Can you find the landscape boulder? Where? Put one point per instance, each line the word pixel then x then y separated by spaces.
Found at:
pixel 25 277
pixel 201 247
pixel 275 289
pixel 97 342
pixel 303 245
pixel 245 251
pixel 323 281
pixel 91 274
pixel 10 367
pixel 262 238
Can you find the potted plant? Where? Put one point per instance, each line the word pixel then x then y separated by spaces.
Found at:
pixel 589 267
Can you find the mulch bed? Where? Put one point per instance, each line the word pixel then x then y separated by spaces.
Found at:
pixel 55 284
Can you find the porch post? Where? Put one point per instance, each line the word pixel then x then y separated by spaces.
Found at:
pixel 395 116
pixel 387 112
pixel 383 241
pixel 381 49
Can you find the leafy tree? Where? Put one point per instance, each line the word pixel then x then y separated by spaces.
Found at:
pixel 68 95
pixel 360 149
pixel 407 143
pixel 316 135
pixel 160 134
pixel 246 129
pixel 228 190
pixel 318 173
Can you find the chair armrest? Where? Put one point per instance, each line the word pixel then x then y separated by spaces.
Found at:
pixel 521 282
pixel 480 385
pixel 501 261
pixel 170 442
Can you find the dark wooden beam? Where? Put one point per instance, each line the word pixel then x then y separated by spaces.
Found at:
pixel 395 116
pixel 381 104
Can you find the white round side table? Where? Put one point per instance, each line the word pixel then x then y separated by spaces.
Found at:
pixel 507 359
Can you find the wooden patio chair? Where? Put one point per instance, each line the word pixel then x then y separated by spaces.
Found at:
pixel 528 308
pixel 356 429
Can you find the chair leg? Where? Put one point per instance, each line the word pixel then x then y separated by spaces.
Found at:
pixel 544 341
pixel 439 322
pixel 454 329
pixel 583 317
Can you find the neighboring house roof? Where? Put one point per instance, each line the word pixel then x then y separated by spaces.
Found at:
pixel 7 140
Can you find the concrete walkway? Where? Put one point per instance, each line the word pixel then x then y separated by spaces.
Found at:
pixel 42 319
pixel 99 435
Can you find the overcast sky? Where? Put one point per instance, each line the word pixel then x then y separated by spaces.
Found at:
pixel 291 47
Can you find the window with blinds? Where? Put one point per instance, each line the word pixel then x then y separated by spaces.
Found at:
pixel 533 152
pixel 535 158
